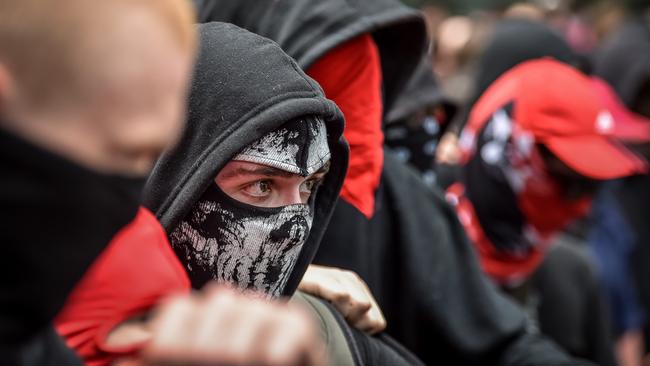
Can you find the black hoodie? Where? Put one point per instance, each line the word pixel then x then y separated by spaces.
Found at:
pixel 308 29
pixel 244 87
pixel 56 217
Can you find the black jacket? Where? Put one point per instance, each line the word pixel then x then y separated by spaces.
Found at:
pixel 244 87
pixel 55 218
pixel 308 29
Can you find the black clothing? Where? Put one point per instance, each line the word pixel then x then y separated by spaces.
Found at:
pixel 421 91
pixel 418 119
pixel 572 312
pixel 418 263
pixel 308 29
pixel 47 348
pixel 234 101
pixel 56 217
pixel 230 108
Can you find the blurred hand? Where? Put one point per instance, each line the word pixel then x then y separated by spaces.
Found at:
pixel 348 293
pixel 448 151
pixel 220 326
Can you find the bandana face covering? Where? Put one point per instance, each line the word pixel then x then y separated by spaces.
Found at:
pixel 514 205
pixel 254 247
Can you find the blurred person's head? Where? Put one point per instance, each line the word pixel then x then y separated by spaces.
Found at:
pixel 90 93
pixel 102 83
pixel 247 191
pixel 515 41
pixel 526 11
pixel 623 61
pixel 417 119
pixel 537 143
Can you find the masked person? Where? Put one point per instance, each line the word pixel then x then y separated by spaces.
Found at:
pixel 419 117
pixel 77 143
pixel 342 45
pixel 350 48
pixel 581 327
pixel 532 160
pixel 244 196
pixel 247 193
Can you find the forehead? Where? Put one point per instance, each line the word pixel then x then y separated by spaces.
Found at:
pixel 299 146
pixel 243 169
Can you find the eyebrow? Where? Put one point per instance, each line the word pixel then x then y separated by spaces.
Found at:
pixel 266 171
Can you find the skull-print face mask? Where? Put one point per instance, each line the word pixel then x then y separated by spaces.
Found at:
pixel 247 246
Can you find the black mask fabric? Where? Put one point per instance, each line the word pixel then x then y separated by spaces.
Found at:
pixel 247 246
pixel 55 219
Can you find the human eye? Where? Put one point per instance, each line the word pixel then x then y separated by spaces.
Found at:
pixel 310 185
pixel 259 189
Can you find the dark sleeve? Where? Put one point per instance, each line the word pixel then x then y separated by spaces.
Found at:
pixel 45 349
pixel 532 349
pixel 376 350
pixel 572 312
pixel 383 350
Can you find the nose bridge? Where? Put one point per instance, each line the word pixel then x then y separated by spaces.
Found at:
pixel 293 195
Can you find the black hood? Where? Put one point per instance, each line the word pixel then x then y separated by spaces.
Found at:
pixel 308 29
pixel 421 91
pixel 244 87
pixel 624 60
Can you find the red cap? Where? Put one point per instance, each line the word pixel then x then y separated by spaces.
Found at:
pixel 628 126
pixel 564 111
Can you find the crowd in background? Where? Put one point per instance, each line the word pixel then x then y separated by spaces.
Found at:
pixel 609 39
pixel 314 182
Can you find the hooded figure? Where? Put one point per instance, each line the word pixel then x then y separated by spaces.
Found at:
pixel 537 142
pixel 418 119
pixel 283 123
pixel 309 29
pixel 348 48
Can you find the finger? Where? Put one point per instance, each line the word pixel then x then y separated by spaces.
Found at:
pixel 359 301
pixel 171 328
pixel 248 333
pixel 376 320
pixel 214 314
pixel 291 339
